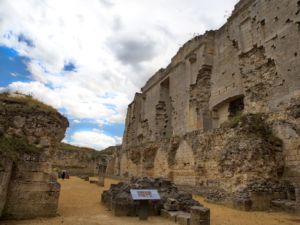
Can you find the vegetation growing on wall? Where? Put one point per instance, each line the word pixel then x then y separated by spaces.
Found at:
pixel 27 102
pixel 253 124
pixel 13 147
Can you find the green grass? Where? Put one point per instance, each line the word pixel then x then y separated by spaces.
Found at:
pixel 68 147
pixel 254 124
pixel 27 101
pixel 94 153
pixel 233 122
pixel 13 147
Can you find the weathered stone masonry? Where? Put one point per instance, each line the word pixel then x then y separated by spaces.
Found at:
pixel 28 186
pixel 176 127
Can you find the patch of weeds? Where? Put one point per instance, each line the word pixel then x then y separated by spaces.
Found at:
pixel 232 122
pixel 253 124
pixel 13 147
pixel 27 101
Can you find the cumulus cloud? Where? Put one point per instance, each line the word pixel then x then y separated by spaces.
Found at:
pixel 133 50
pixel 95 138
pixel 114 47
pixel 106 3
pixel 78 102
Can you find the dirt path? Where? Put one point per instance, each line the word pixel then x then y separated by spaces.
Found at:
pixel 80 205
pixel 221 215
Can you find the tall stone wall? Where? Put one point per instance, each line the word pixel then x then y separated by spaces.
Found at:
pixel 29 135
pixel 249 66
pixel 76 161
pixel 82 161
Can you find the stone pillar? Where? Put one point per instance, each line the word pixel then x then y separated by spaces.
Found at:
pixel 101 180
pixel 32 190
pixel 200 215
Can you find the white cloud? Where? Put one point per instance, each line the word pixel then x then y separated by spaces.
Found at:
pixel 14 74
pixel 95 138
pixel 115 45
pixel 78 102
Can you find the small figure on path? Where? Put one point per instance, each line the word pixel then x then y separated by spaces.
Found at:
pixel 63 175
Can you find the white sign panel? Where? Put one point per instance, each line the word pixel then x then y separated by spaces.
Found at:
pixel 144 194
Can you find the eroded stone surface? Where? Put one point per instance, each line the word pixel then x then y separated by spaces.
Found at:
pixel 79 161
pixel 30 134
pixel 177 127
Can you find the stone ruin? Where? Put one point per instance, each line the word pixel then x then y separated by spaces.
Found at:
pixel 189 123
pixel 81 161
pixel 174 204
pixel 119 200
pixel 29 134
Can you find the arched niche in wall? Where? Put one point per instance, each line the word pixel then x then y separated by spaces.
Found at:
pixel 184 165
pixel 161 166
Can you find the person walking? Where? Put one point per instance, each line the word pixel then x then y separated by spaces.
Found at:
pixel 63 175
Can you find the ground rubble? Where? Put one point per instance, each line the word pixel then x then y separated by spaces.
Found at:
pixel 119 200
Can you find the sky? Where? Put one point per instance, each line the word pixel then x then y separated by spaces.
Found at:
pixel 87 58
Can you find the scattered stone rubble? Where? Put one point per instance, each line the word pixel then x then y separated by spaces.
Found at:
pixel 119 200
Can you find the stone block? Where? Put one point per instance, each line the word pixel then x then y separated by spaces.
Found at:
pixel 200 216
pixel 171 215
pixel 94 181
pixel 171 205
pixel 261 201
pixel 183 218
pixel 121 208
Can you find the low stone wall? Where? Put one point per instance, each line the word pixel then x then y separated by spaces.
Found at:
pixel 198 216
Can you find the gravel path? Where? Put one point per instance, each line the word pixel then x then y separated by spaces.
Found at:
pixel 80 205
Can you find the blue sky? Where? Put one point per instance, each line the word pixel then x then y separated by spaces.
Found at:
pixel 89 60
pixel 14 69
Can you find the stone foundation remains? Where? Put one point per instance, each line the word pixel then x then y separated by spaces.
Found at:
pixel 119 200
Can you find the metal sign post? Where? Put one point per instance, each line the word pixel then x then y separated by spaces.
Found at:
pixel 144 196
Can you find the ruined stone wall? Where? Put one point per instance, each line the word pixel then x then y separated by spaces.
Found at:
pixel 75 161
pixel 79 161
pixel 249 66
pixel 30 133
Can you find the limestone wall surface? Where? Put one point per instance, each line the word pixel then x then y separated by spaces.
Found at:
pixel 29 134
pixel 250 67
pixel 5 174
pixel 76 161
pixel 80 161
